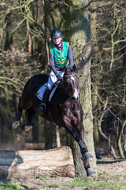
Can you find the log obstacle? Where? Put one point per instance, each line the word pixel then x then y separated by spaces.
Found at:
pixel 57 161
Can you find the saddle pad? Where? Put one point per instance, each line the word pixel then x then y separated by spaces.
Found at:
pixel 52 92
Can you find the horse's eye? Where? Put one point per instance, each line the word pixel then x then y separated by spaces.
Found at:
pixel 68 85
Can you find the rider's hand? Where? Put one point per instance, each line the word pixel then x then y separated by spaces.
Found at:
pixel 68 68
pixel 60 78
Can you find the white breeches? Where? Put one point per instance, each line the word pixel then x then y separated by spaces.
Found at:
pixel 52 78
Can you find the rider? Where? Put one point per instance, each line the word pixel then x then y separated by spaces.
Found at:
pixel 60 55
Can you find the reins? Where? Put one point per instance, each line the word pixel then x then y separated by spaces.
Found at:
pixel 72 74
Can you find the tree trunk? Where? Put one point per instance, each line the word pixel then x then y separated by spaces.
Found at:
pixel 80 42
pixel 119 143
pixel 58 143
pixel 48 134
pixel 79 167
pixel 95 48
pixel 46 4
pixel 53 162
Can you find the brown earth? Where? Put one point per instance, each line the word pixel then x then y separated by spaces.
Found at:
pixel 107 167
pixel 63 183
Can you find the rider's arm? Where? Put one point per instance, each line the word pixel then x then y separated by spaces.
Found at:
pixel 70 57
pixel 51 61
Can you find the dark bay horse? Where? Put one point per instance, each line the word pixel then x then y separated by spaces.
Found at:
pixel 64 109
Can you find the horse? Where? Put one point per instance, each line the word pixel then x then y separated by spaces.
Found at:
pixel 64 109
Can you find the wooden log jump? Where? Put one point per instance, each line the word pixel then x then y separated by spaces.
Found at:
pixel 58 161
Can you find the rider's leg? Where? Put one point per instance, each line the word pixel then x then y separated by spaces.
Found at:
pixel 52 79
pixel 42 107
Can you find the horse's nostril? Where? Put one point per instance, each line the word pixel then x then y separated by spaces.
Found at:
pixel 73 98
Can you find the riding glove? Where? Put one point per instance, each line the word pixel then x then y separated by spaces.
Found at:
pixel 60 78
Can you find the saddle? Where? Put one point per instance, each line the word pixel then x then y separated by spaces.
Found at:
pixel 40 93
pixel 53 91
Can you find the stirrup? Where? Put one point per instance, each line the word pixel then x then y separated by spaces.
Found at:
pixel 41 107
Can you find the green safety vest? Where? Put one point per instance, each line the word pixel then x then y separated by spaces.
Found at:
pixel 60 57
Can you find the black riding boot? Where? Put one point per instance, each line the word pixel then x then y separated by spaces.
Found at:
pixel 42 107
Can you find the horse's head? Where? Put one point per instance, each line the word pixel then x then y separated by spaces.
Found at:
pixel 71 83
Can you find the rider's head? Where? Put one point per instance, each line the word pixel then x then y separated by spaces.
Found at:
pixel 56 36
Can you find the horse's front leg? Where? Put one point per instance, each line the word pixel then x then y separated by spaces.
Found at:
pixel 86 156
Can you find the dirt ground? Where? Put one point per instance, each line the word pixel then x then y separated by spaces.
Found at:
pixel 63 183
pixel 107 165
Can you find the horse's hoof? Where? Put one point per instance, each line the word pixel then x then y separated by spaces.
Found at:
pixel 28 127
pixel 90 172
pixel 15 124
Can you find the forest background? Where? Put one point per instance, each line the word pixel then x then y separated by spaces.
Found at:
pixel 25 28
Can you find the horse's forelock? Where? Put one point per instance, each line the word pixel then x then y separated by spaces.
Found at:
pixel 69 74
pixel 71 85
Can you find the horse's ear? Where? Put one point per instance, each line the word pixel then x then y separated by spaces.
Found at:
pixel 65 70
pixel 74 68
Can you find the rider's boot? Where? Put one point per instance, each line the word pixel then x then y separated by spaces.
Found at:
pixel 42 107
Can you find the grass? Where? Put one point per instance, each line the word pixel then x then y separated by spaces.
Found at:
pixel 10 186
pixel 103 181
pixel 45 179
pixel 50 185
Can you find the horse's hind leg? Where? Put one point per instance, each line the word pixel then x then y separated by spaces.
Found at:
pixel 30 119
pixel 17 120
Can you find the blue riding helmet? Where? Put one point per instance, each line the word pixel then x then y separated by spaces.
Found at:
pixel 56 33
